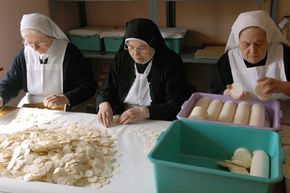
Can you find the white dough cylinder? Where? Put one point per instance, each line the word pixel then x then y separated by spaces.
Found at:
pixel 228 112
pixel 243 156
pixel 203 102
pixel 214 109
pixel 242 114
pixel 257 117
pixel 260 164
pixel 198 113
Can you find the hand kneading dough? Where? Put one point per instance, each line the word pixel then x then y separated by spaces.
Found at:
pixel 259 92
pixel 214 109
pixel 237 90
pixel 228 112
pixel 257 117
pixel 243 113
pixel 198 113
pixel 203 102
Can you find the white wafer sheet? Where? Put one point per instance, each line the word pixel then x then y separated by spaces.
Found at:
pixel 132 172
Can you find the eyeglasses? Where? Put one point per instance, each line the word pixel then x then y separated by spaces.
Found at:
pixel 141 49
pixel 40 43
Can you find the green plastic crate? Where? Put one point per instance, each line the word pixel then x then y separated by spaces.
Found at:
pixel 86 43
pixel 174 44
pixel 174 37
pixel 185 156
pixel 113 38
pixel 112 44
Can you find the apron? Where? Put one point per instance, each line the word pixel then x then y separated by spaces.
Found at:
pixel 44 79
pixel 247 77
pixel 139 93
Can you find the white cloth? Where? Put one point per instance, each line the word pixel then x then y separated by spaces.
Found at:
pixel 139 93
pixel 43 24
pixel 44 79
pixel 257 18
pixel 274 68
pixel 131 144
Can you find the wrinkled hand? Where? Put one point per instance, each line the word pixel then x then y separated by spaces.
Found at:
pixel 134 114
pixel 55 101
pixel 245 95
pixel 105 114
pixel 271 85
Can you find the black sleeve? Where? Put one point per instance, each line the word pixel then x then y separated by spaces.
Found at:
pixel 79 84
pixel 221 75
pixel 287 62
pixel 170 88
pixel 15 79
pixel 117 83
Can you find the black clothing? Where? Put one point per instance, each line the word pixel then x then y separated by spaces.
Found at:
pixel 222 75
pixel 78 82
pixel 167 79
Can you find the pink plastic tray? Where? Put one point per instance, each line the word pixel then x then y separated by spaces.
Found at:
pixel 272 107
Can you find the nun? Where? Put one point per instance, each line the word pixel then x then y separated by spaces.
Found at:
pixel 256 58
pixel 147 80
pixel 48 68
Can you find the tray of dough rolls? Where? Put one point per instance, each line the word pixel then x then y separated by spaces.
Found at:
pixel 222 109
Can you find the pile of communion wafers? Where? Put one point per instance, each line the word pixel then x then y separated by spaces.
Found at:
pixel 72 156
pixel 236 112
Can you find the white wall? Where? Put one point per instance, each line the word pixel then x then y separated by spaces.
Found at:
pixel 11 12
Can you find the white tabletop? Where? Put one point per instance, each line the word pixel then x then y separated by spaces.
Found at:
pixel 136 171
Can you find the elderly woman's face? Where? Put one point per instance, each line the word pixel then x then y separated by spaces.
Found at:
pixel 253 44
pixel 40 43
pixel 139 51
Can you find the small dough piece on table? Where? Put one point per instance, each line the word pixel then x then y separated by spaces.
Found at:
pixel 116 120
pixel 203 102
pixel 242 114
pixel 228 112
pixel 259 92
pixel 198 112
pixel 258 115
pixel 214 109
pixel 236 90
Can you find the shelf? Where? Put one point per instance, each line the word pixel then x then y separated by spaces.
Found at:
pixel 187 56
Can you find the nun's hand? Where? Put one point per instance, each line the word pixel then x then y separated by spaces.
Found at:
pixel 244 95
pixel 134 114
pixel 105 115
pixel 55 101
pixel 271 85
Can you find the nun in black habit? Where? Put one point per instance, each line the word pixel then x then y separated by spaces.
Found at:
pixel 147 80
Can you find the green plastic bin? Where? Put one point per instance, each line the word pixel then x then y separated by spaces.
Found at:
pixel 185 158
pixel 174 44
pixel 174 37
pixel 86 39
pixel 86 43
pixel 112 44
pixel 113 38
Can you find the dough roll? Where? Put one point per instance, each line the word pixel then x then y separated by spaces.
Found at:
pixel 257 117
pixel 260 164
pixel 242 114
pixel 214 109
pixel 198 112
pixel 203 102
pixel 228 112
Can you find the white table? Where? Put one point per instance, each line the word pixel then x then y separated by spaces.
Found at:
pixel 136 171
